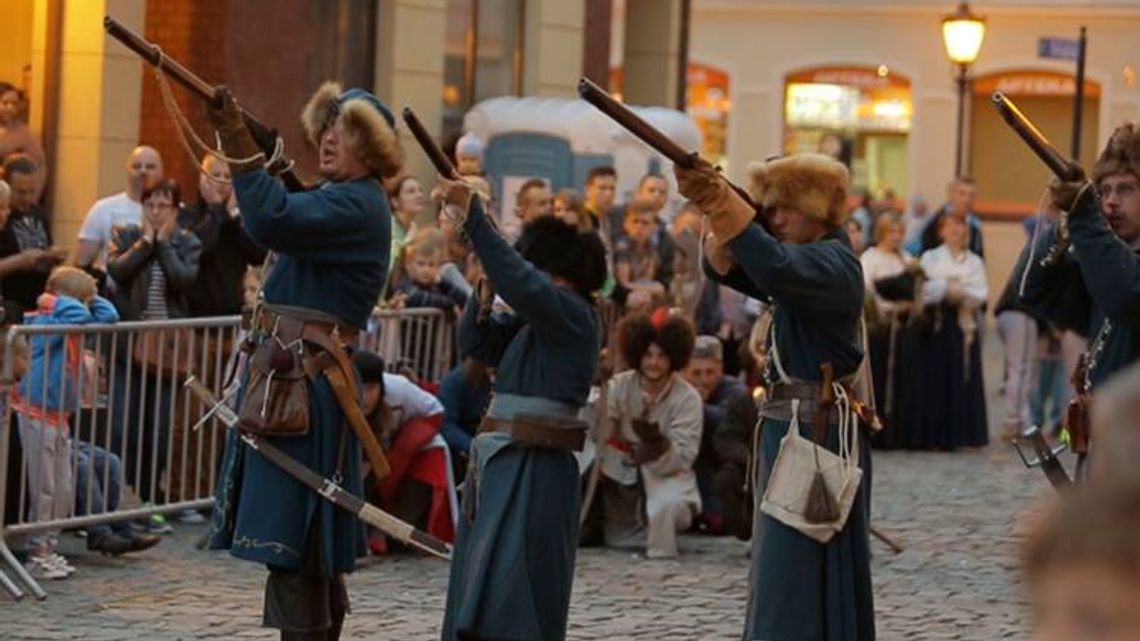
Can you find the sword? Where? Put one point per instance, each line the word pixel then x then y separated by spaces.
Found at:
pixel 1045 457
pixel 331 491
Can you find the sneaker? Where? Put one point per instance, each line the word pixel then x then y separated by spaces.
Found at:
pixel 190 517
pixel 61 562
pixel 154 524
pixel 42 568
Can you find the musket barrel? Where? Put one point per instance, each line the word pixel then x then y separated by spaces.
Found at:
pixel 636 125
pixel 153 54
pixel 438 159
pixel 1062 167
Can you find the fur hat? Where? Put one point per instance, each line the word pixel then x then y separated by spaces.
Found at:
pixel 369 126
pixel 559 249
pixel 812 183
pixel 1121 155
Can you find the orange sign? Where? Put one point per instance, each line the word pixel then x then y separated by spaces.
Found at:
pixel 1032 83
pixel 864 78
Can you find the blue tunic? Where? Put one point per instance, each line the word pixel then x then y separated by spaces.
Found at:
pixel 1094 289
pixel 801 590
pixel 333 257
pixel 513 563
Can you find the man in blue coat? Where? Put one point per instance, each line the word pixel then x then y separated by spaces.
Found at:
pixel 1084 272
pixel 513 563
pixel 800 588
pixel 331 247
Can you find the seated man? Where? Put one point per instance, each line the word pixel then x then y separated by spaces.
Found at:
pixel 648 491
pixel 725 440
pixel 406 420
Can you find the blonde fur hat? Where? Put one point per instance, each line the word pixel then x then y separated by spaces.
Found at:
pixel 1121 155
pixel 812 183
pixel 368 125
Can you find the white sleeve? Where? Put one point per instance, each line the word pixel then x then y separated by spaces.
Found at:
pixel 934 289
pixel 95 224
pixel 413 400
pixel 974 286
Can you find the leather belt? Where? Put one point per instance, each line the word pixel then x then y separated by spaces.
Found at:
pixel 564 434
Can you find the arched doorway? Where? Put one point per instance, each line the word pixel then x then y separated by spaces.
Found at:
pixel 863 114
pixel 1010 179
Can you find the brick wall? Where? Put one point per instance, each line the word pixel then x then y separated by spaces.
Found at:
pixel 193 32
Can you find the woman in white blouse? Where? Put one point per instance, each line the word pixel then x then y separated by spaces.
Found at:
pixel 888 273
pixel 953 399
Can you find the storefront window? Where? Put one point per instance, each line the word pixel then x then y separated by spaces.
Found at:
pixel 707 103
pixel 482 57
pixel 860 115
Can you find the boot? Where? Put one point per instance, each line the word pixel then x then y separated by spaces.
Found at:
pixel 109 543
pixel 140 542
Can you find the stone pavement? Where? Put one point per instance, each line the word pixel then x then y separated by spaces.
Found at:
pixel 956 513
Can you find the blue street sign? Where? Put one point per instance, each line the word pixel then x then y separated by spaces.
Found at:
pixel 1059 48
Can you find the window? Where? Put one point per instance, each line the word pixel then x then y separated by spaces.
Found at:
pixel 482 55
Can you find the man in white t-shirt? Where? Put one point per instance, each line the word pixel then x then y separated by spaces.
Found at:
pixel 144 168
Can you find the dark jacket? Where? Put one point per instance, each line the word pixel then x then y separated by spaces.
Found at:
pixel 130 261
pixel 227 250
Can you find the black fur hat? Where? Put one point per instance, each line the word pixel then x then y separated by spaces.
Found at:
pixel 673 334
pixel 559 249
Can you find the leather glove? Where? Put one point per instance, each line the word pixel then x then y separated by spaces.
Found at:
pixel 1064 194
pixel 237 143
pixel 718 256
pixel 652 443
pixel 728 213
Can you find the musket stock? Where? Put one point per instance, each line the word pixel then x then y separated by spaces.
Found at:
pixel 265 135
pixel 1065 169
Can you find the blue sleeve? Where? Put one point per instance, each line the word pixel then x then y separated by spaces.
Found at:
pixel 104 311
pixel 1111 269
pixel 69 311
pixel 815 278
pixel 1057 291
pixel 485 342
pixel 530 292
pixel 317 224
pixel 736 279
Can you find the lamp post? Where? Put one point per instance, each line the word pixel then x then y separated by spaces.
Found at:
pixel 962 34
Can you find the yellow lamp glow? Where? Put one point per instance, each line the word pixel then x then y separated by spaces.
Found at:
pixel 962 34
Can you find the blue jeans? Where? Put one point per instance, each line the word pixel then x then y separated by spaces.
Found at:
pixel 97 486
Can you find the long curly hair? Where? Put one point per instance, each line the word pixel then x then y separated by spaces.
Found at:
pixel 674 335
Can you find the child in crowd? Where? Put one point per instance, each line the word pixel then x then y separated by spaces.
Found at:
pixel 1082 565
pixel 419 284
pixel 47 396
pixel 469 155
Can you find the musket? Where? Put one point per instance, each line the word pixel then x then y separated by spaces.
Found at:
pixel 1064 168
pixel 265 135
pixel 326 488
pixel 645 132
pixel 438 159
pixel 1045 457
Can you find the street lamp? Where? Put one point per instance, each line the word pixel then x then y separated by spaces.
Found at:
pixel 962 34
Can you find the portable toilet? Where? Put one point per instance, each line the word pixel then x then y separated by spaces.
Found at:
pixel 561 140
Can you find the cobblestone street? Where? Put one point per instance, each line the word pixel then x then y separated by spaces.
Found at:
pixel 956 513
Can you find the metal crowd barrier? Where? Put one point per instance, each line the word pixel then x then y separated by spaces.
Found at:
pixel 119 393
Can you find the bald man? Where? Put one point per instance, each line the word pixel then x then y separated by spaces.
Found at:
pixel 144 168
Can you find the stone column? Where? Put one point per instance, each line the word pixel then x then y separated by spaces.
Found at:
pixel 552 47
pixel 410 42
pixel 100 89
pixel 653 52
